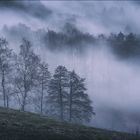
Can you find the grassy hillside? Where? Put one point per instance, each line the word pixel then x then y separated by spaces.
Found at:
pixel 16 125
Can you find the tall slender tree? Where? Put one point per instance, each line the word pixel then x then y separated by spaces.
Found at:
pixel 58 93
pixel 5 70
pixel 80 108
pixel 27 63
pixel 43 79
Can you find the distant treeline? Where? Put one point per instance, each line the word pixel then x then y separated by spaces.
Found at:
pixel 124 45
pixel 72 39
pixel 27 84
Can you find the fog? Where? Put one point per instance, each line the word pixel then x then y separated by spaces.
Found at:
pixel 112 83
pixel 94 17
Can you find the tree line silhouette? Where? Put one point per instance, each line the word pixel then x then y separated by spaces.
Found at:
pixel 26 80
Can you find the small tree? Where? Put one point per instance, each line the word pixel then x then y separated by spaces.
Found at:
pixel 80 108
pixel 26 72
pixel 57 92
pixel 5 70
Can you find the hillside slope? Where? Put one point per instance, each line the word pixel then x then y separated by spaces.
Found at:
pixel 16 125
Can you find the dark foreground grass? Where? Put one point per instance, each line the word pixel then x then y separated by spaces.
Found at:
pixel 16 125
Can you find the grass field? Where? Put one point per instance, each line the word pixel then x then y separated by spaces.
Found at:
pixel 16 125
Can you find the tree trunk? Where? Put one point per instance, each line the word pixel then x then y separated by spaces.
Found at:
pixel 61 102
pixel 25 95
pixel 42 96
pixel 7 101
pixel 23 102
pixel 3 88
pixel 70 103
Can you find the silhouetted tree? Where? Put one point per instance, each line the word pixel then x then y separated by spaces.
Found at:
pixel 80 108
pixel 26 69
pixel 57 92
pixel 120 37
pixel 5 70
pixel 42 86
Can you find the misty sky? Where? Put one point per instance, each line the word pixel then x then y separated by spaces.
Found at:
pixel 94 17
pixel 112 84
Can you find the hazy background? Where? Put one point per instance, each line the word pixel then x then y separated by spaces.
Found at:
pixel 113 83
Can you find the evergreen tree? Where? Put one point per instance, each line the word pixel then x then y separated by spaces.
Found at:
pixel 131 39
pixel 120 37
pixel 57 92
pixel 80 108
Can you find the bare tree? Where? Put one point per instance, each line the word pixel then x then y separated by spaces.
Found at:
pixel 41 87
pixel 5 70
pixel 26 72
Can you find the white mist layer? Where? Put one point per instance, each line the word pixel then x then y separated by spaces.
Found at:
pixel 109 81
pixel 91 16
pixel 113 85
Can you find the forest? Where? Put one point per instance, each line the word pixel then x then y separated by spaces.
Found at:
pixel 68 68
pixel 26 82
pixel 122 44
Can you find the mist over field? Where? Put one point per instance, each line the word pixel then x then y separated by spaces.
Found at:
pixel 112 76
